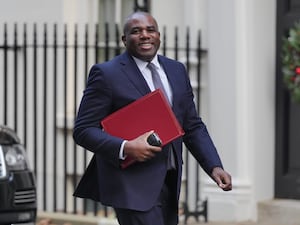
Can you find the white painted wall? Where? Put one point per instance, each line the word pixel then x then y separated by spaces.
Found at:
pixel 241 60
pixel 45 11
pixel 31 11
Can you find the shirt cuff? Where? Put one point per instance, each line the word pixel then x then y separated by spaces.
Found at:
pixel 121 153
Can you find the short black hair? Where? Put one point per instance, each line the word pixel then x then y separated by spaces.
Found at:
pixel 132 15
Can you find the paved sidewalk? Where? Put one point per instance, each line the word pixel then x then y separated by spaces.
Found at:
pixel 225 223
pixel 235 223
pixel 192 221
pixel 67 219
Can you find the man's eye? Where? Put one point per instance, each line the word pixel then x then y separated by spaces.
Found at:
pixel 135 31
pixel 151 30
pixel 139 31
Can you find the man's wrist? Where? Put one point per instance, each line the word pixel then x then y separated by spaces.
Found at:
pixel 122 156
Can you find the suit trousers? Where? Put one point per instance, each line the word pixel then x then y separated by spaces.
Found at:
pixel 165 212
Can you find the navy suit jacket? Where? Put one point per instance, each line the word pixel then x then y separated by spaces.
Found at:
pixel 112 85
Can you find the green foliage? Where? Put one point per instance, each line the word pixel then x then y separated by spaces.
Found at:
pixel 291 62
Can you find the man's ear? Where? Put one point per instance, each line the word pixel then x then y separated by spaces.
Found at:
pixel 124 39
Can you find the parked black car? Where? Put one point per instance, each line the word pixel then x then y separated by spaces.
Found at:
pixel 17 183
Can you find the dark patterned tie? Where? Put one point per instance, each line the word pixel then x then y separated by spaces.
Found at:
pixel 159 85
pixel 156 79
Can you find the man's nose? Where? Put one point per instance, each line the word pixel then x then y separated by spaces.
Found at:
pixel 144 33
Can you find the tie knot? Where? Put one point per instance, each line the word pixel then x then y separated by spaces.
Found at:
pixel 151 66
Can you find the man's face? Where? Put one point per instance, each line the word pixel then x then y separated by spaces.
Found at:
pixel 141 37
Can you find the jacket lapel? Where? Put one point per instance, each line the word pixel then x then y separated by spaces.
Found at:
pixel 133 73
pixel 129 67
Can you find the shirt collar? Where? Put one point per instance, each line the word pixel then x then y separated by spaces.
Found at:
pixel 143 64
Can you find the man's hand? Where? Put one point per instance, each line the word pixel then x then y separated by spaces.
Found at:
pixel 222 178
pixel 140 149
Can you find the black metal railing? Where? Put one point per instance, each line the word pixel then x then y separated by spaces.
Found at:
pixel 44 71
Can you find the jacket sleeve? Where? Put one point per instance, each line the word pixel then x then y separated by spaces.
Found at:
pixel 95 105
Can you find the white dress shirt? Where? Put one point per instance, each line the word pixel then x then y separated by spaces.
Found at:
pixel 142 65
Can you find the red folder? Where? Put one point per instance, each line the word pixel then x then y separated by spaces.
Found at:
pixel 150 112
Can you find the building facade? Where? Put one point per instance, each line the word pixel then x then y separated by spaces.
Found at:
pixel 237 88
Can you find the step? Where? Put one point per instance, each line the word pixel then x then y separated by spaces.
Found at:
pixel 48 218
pixel 279 212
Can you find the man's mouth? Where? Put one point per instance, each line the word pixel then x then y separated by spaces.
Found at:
pixel 145 45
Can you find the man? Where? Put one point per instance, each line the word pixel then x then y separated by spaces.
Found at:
pixel 147 192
